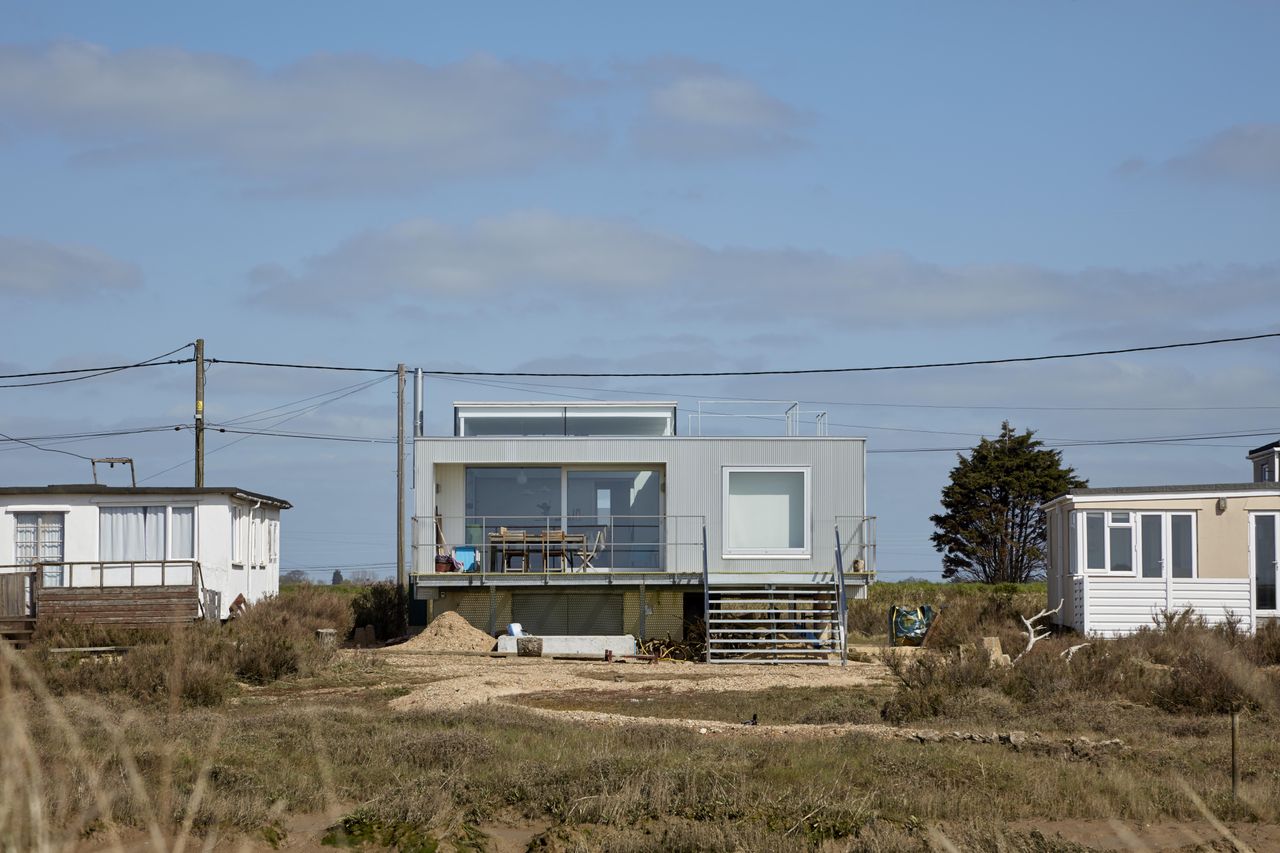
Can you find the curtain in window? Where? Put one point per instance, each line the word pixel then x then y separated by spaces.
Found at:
pixel 182 533
pixel 131 533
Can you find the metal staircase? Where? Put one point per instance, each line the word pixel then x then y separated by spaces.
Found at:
pixel 772 623
pixel 793 622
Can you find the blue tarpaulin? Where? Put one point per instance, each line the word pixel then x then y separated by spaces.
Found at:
pixel 908 625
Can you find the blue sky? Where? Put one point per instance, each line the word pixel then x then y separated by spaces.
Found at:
pixel 592 187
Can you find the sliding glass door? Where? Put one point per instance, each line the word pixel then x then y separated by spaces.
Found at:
pixel 615 516
pixel 622 510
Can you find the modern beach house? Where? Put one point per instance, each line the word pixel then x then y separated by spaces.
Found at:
pixel 599 519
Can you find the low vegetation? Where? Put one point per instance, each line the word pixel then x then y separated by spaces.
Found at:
pixel 177 737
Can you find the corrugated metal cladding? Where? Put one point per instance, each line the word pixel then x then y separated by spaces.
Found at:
pixel 693 480
pixel 610 612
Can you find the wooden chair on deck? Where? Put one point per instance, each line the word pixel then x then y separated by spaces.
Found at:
pixel 509 544
pixel 587 554
pixel 554 546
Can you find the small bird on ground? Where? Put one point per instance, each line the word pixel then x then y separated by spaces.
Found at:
pixel 754 721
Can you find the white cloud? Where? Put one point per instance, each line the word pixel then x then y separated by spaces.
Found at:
pixel 334 122
pixel 538 263
pixel 35 269
pixel 698 111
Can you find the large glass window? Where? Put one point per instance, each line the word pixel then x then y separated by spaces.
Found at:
pixel 766 511
pixel 131 533
pixel 623 505
pixel 637 419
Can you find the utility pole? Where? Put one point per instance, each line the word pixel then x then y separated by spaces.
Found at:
pixel 199 413
pixel 401 579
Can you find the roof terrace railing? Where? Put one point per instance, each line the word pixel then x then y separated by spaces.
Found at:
pixel 857 543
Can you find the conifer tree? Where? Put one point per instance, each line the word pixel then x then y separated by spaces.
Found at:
pixel 992 528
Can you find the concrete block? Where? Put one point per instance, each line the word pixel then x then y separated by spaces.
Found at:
pixel 529 647
pixel 575 645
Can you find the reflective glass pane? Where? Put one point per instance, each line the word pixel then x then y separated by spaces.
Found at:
pixel 1095 543
pixel 766 510
pixel 1152 545
pixel 1264 560
pixel 1182 558
pixel 1121 549
pixel 625 507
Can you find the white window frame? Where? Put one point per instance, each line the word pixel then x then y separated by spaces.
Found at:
pixel 802 553
pixel 133 504
pixel 195 531
pixel 1080 529
pixel 239 515
pixel 273 540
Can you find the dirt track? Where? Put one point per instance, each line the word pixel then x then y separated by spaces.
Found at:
pixel 459 681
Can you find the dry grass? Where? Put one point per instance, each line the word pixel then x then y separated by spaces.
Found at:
pixel 82 760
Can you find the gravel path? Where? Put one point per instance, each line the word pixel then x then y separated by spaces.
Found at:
pixel 461 681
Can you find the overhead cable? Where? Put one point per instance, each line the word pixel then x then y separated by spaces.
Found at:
pixel 93 372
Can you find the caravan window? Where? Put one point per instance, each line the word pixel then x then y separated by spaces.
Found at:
pixel 1153 542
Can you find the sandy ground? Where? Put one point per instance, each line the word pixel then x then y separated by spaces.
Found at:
pixel 460 681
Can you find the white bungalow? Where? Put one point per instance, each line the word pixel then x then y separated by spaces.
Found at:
pixel 135 555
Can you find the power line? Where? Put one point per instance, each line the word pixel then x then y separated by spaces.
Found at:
pixel 538 388
pixel 94 372
pixel 391 371
pixel 303 435
pixel 246 434
pixel 792 372
pixel 47 449
pixel 75 437
pixel 823 370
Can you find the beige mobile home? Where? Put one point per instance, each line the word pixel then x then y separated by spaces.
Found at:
pixel 1120 557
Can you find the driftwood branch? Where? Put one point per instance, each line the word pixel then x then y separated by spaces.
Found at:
pixel 1071 652
pixel 1035 632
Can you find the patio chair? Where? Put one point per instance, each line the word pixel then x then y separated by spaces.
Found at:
pixel 553 546
pixel 512 543
pixel 587 554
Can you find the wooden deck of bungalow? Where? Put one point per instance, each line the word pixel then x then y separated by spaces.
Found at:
pixel 28 602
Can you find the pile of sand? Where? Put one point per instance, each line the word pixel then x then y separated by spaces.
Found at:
pixel 449 632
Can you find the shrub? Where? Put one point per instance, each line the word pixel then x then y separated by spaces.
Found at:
pixel 384 606
pixel 189 665
pixel 276 637
pixel 315 607
pixel 195 665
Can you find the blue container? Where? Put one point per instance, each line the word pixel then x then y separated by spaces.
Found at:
pixel 466 554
